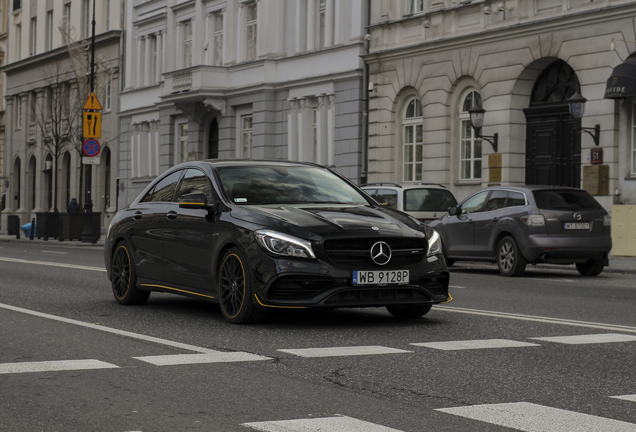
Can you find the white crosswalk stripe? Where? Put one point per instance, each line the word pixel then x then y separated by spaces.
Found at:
pixel 631 398
pixel 218 357
pixel 475 344
pixel 588 339
pixel 343 351
pixel 529 417
pixel 54 366
pixel 340 423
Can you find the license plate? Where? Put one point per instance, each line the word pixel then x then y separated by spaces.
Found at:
pixel 576 225
pixel 380 277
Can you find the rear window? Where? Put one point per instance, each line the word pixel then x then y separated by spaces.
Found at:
pixel 572 200
pixel 430 200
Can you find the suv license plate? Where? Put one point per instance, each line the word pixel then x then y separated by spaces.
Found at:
pixel 576 225
pixel 380 277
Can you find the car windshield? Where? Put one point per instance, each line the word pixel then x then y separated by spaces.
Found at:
pixel 286 185
pixel 430 200
pixel 571 200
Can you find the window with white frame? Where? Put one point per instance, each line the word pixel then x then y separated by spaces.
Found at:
pixel 469 144
pixel 414 6
pixel 34 36
pixel 109 89
pixel 322 14
pixel 18 41
pixel 67 18
pixel 49 30
pixel 246 136
pixel 413 145
pixel 187 43
pixel 251 22
pixel 145 149
pixel 106 15
pixel 182 143
pixel 218 39
pixel 18 108
pixel 86 9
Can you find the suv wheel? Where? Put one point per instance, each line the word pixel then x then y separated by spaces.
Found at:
pixel 591 267
pixel 509 259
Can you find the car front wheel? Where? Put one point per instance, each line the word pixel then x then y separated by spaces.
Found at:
pixel 591 267
pixel 408 311
pixel 236 289
pixel 509 259
pixel 124 278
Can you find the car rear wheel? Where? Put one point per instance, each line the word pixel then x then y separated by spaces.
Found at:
pixel 408 311
pixel 509 259
pixel 591 267
pixel 124 278
pixel 236 289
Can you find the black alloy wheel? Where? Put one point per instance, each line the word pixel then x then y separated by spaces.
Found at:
pixel 591 267
pixel 408 311
pixel 509 259
pixel 235 289
pixel 124 278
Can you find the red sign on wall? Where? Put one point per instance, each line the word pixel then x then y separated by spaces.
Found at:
pixel 596 155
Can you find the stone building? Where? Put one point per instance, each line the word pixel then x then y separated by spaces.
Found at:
pixel 262 79
pixel 38 69
pixel 4 6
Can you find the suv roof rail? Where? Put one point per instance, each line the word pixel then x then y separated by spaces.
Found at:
pixel 381 184
pixel 433 184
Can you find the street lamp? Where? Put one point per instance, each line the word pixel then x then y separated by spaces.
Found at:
pixel 477 122
pixel 577 109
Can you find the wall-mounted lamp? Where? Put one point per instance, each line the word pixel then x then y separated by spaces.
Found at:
pixel 477 122
pixel 577 109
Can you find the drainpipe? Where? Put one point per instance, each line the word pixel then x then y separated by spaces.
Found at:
pixel 365 98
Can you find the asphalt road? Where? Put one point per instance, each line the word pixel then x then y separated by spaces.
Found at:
pixel 551 351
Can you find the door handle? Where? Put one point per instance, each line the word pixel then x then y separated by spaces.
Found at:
pixel 172 214
pixel 138 215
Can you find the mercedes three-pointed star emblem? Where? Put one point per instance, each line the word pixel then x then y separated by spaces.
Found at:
pixel 381 253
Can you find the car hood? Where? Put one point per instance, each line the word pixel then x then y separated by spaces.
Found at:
pixel 323 220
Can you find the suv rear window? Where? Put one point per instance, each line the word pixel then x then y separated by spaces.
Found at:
pixel 430 200
pixel 565 200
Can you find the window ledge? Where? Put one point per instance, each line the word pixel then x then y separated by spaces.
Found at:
pixel 630 178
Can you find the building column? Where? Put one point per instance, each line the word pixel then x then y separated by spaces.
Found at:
pixel 139 63
pixel 321 142
pixel 311 25
pixel 159 56
pixel 147 60
pixel 331 121
pixel 302 102
pixel 240 34
pixel 292 130
pixel 329 24
pixel 259 28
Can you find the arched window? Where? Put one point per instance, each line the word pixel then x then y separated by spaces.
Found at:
pixel 469 145
pixel 413 141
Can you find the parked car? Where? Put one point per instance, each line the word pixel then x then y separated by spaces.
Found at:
pixel 516 226
pixel 256 235
pixel 424 201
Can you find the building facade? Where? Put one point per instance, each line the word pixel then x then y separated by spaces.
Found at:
pixel 45 89
pixel 262 79
pixel 4 6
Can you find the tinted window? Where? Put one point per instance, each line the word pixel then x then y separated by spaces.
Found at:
pixel 571 200
pixel 431 200
pixel 496 201
pixel 475 203
pixel 195 181
pixel 286 184
pixel 148 196
pixel 516 199
pixel 389 197
pixel 164 190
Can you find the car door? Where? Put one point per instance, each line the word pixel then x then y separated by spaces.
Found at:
pixel 460 228
pixel 484 222
pixel 188 236
pixel 145 232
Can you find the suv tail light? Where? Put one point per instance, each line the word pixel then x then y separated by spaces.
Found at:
pixel 533 220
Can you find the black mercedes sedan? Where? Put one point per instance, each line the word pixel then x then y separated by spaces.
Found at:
pixel 260 235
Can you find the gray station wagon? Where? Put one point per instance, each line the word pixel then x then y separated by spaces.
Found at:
pixel 515 226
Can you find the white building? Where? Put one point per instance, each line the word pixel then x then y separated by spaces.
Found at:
pixel 265 79
pixel 432 60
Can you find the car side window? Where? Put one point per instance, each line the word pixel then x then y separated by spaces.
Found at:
pixel 148 196
pixel 496 201
pixel 516 199
pixel 475 203
pixel 195 181
pixel 164 190
pixel 388 196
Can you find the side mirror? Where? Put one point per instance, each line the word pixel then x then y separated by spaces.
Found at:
pixel 452 211
pixel 195 201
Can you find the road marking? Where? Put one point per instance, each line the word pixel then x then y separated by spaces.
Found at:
pixel 631 398
pixel 588 339
pixel 453 286
pixel 111 330
pixel 218 357
pixel 340 423
pixel 343 351
pixel 475 344
pixel 52 264
pixel 531 417
pixel 536 318
pixel 54 366
pixel 54 252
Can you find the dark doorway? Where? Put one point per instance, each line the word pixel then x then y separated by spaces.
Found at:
pixel 553 145
pixel 213 140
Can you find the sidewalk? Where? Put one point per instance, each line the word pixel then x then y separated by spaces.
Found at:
pixel 617 264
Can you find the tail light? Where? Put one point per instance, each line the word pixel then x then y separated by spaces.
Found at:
pixel 534 220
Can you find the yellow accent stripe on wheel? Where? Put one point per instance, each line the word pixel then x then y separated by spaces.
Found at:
pixel 175 289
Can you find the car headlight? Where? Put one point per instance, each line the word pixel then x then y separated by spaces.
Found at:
pixel 283 244
pixel 434 244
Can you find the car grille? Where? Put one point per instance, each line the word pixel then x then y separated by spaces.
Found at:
pixel 356 253
pixel 378 296
pixel 297 287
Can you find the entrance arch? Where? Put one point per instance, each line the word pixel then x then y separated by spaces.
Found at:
pixel 553 146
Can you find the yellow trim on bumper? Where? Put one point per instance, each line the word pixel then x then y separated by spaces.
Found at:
pixel 175 289
pixel 282 307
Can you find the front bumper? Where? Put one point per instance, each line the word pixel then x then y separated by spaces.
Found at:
pixel 543 248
